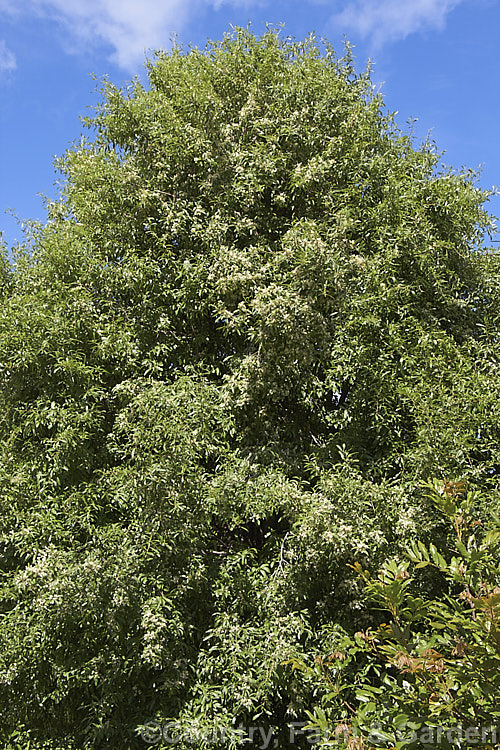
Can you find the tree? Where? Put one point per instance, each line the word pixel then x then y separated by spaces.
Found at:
pixel 257 317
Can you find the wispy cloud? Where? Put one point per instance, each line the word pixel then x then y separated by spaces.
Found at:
pixel 384 21
pixel 129 27
pixel 7 58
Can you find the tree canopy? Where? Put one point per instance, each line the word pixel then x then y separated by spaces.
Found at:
pixel 257 318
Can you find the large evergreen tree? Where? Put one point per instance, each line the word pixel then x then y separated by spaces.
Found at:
pixel 257 318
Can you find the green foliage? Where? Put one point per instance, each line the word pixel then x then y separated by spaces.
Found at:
pixel 436 663
pixel 256 319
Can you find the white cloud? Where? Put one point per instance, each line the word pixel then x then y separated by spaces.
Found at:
pixel 389 20
pixel 7 58
pixel 130 27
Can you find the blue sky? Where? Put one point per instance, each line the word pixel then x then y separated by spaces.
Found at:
pixel 436 61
